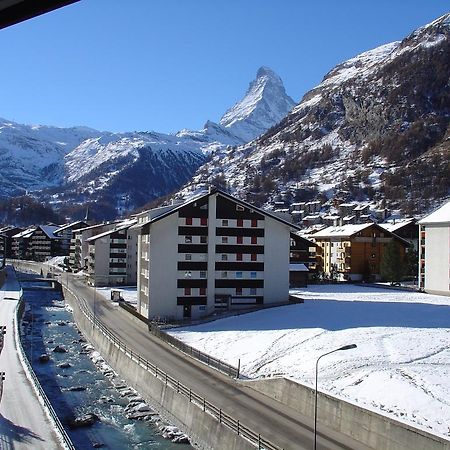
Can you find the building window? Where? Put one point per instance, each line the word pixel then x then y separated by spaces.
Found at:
pixel 202 291
pixel 254 240
pixel 188 220
pixel 188 257
pixel 202 274
pixel 239 240
pixel 224 274
pixel 254 257
pixel 188 239
pixel 238 291
pixel 224 222
pixel 224 257
pixel 203 239
pixel 204 221
pixel 254 223
pixel 224 239
pixel 252 291
pixel 187 291
pixel 238 256
pixel 238 274
pixel 252 274
pixel 240 222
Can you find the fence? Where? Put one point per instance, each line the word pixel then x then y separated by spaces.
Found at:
pixel 223 418
pixel 223 367
pixel 65 437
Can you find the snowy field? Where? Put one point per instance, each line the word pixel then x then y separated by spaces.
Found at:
pixel 400 368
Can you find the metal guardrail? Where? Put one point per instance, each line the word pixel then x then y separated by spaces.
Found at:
pixel 209 360
pixel 66 439
pixel 222 417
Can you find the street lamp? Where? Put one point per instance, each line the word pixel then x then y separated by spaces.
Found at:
pixel 345 347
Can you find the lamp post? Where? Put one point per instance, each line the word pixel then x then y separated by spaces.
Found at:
pixel 345 347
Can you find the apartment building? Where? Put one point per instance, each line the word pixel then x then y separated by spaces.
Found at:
pixel 211 253
pixel 353 252
pixel 79 248
pixel 302 260
pixel 65 234
pixel 434 251
pixel 112 256
pixel 6 234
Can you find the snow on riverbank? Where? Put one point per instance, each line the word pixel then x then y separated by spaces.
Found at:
pixel 400 368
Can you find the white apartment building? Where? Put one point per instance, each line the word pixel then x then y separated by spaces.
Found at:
pixel 211 253
pixel 434 251
pixel 112 256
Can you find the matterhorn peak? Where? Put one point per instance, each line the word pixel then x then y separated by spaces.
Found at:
pixel 264 105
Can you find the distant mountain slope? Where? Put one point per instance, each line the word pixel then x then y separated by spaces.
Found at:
pixel 122 171
pixel 376 127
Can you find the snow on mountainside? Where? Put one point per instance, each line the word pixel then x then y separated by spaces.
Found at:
pixel 365 132
pixel 32 156
pixel 264 105
pixel 77 165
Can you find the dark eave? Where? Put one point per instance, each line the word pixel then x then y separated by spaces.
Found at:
pixel 15 11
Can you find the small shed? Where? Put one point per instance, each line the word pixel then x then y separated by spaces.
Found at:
pixel 298 275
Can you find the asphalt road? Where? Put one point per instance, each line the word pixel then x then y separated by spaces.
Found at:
pixel 276 422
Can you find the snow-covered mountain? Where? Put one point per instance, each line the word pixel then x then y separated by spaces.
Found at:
pixel 376 127
pixel 77 165
pixel 264 105
pixel 33 156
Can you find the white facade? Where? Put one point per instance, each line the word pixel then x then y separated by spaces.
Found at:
pixel 434 252
pixel 209 255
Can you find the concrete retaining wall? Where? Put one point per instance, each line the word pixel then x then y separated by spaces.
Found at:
pixel 206 432
pixel 369 428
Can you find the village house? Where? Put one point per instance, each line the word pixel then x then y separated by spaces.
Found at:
pixel 302 261
pixel 434 251
pixel 353 252
pixel 211 253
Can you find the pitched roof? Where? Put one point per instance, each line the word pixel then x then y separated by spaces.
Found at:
pixel 25 233
pixel 226 195
pixel 70 225
pixel 393 227
pixel 49 231
pixel 123 226
pixel 441 215
pixel 341 231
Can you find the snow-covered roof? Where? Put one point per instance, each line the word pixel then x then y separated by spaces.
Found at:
pixel 341 231
pixel 25 233
pixel 397 225
pixel 441 215
pixel 123 226
pixel 70 225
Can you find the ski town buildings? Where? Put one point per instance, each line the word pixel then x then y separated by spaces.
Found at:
pixel 434 251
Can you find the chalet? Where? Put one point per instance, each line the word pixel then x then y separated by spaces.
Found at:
pixel 434 251
pixel 211 253
pixel 407 229
pixel 21 244
pixel 302 260
pixel 45 244
pixel 353 252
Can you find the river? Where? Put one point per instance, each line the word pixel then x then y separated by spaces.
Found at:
pixel 75 385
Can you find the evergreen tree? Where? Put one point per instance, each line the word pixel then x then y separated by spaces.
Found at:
pixel 391 263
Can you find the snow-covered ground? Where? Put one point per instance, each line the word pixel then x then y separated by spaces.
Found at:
pixel 400 368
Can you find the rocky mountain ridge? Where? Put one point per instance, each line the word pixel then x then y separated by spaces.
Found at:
pixel 375 129
pixel 122 171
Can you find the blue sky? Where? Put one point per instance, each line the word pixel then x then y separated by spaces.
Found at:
pixel 164 65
